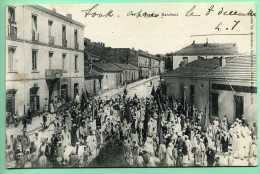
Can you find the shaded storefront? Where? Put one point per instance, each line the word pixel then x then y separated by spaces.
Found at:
pixel 53 80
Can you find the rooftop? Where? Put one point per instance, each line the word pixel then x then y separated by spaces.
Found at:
pixel 58 15
pixel 107 67
pixel 126 66
pixel 93 74
pixel 208 49
pixel 236 68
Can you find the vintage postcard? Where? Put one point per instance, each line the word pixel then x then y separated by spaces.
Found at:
pixel 131 85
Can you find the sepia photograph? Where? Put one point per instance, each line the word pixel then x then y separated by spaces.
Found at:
pixel 130 85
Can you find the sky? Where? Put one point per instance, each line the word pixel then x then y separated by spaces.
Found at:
pixel 163 34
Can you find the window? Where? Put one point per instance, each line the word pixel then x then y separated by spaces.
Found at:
pixel 192 94
pixel 51 38
pixel 100 83
pixel 76 89
pixel 76 63
pixel 182 93
pixel 11 60
pixel 35 35
pixel 239 106
pixel 34 99
pixel 64 91
pixel 34 22
pixel 76 39
pixel 11 14
pixel 214 104
pixel 64 41
pixel 49 27
pixel 50 59
pixel 10 100
pixel 34 60
pixel 64 62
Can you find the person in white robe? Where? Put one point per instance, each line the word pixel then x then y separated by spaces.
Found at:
pixel 66 137
pixel 162 153
pixel 169 155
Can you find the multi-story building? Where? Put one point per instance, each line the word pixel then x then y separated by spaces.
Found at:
pixel 144 63
pixel 44 53
pixel 148 64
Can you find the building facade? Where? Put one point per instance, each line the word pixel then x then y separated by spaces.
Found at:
pixel 44 58
pixel 149 65
pixel 218 87
pixel 162 66
pixel 130 72
pixel 112 76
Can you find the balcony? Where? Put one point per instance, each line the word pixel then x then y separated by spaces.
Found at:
pixel 53 73
pixel 64 43
pixel 76 45
pixel 35 36
pixel 51 40
pixel 12 32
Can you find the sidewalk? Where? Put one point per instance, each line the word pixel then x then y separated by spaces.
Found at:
pixel 113 92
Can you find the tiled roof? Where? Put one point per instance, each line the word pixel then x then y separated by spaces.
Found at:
pixel 133 66
pixel 146 54
pixel 126 66
pixel 93 74
pixel 236 68
pixel 93 56
pixel 208 49
pixel 107 67
pixel 197 68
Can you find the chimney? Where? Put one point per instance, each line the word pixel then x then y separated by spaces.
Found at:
pixel 222 61
pixel 69 16
pixel 193 43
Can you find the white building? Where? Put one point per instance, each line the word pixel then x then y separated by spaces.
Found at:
pixel 44 57
pixel 112 76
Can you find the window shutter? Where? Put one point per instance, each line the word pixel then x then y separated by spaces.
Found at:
pixel 31 102
pixel 37 102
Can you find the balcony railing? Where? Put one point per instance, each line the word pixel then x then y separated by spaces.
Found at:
pixel 53 73
pixel 51 40
pixel 76 45
pixel 35 36
pixel 64 43
pixel 12 32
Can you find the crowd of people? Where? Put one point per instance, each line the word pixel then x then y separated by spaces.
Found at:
pixel 154 131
